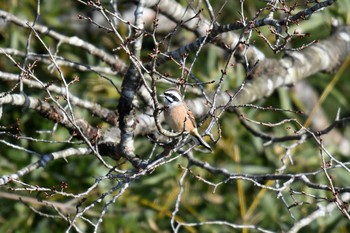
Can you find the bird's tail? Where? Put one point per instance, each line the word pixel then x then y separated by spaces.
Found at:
pixel 199 140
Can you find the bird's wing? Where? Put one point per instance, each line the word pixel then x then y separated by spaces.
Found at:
pixel 191 117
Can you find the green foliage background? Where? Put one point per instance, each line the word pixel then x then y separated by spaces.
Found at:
pixel 147 204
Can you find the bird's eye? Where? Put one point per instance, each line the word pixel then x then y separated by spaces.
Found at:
pixel 169 99
pixel 172 98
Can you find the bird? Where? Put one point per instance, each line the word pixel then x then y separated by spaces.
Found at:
pixel 179 117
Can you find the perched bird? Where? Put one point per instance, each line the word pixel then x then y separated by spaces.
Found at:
pixel 179 117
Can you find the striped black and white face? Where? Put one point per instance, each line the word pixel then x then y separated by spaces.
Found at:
pixel 171 97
